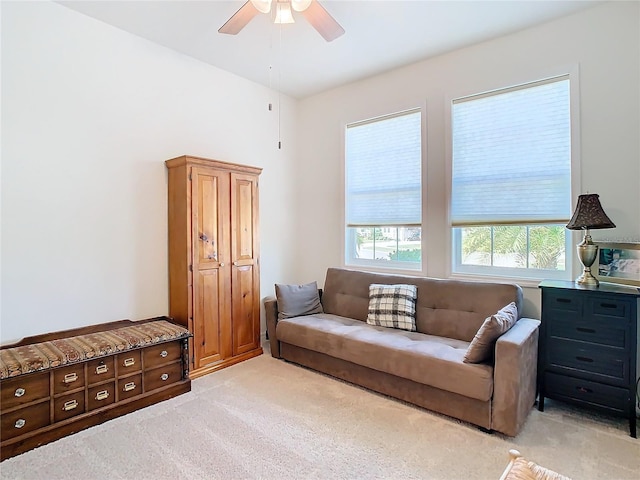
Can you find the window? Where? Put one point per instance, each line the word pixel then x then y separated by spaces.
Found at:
pixel 511 181
pixel 383 198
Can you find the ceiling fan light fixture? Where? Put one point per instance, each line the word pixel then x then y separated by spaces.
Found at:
pixel 283 13
pixel 311 10
pixel 300 5
pixel 263 6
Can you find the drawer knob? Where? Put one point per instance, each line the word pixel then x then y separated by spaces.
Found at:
pixel 104 394
pixel 129 362
pixel 164 353
pixel 70 377
pixel 102 369
pixel 70 405
pixel 584 390
pixel 129 386
pixel 21 422
pixel 165 376
pixel 20 392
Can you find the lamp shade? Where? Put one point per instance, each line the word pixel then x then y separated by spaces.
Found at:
pixel 263 6
pixel 589 214
pixel 283 13
pixel 300 5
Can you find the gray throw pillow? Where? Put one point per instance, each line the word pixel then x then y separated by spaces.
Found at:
pixel 481 347
pixel 298 300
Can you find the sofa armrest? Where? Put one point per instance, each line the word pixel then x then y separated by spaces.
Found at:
pixel 271 316
pixel 514 377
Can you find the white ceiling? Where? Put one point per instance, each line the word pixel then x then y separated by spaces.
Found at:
pixel 296 60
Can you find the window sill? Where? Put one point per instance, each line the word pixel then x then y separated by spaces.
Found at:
pixel 523 282
pixel 385 270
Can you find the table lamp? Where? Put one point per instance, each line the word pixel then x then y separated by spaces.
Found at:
pixel 588 215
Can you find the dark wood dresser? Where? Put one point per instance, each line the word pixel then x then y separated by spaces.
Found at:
pixel 56 384
pixel 588 347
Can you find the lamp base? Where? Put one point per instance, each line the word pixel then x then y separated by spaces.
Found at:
pixel 587 279
pixel 587 253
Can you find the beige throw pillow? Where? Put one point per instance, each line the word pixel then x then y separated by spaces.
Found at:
pixel 482 344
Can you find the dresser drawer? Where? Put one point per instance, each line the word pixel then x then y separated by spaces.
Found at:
pixel 160 354
pixel 24 389
pixel 129 362
pixel 100 369
pixel 591 393
pixel 608 309
pixel 161 376
pixel 589 330
pixel 68 406
pixel 562 301
pixel 101 395
pixel 129 387
pixel 24 420
pixel 68 378
pixel 606 364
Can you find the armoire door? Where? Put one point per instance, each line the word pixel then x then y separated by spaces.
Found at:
pixel 211 269
pixel 245 290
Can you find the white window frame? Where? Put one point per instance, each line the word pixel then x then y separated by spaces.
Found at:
pixel 524 276
pixel 372 264
pixel 521 274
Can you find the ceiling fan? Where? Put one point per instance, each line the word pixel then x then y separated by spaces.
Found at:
pixel 315 14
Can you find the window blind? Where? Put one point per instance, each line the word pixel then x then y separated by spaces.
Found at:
pixel 383 171
pixel 512 156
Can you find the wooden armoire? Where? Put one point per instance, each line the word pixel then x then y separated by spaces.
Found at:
pixel 214 272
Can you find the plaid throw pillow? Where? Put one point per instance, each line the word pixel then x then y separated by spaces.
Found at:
pixel 392 306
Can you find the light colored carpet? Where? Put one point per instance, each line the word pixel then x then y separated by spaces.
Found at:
pixel 267 419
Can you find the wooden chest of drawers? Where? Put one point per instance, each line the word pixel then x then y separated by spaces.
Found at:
pixel 39 407
pixel 588 347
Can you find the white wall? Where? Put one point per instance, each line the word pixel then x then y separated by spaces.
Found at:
pixel 603 41
pixel 89 114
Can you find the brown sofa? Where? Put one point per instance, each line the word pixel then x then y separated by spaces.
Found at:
pixel 425 367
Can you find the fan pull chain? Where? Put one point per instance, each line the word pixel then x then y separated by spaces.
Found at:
pixel 271 75
pixel 279 94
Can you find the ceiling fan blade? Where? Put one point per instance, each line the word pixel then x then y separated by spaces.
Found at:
pixel 239 19
pixel 322 21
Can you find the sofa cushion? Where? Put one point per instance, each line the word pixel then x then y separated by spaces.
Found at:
pixel 481 347
pixel 33 357
pixel 446 308
pixel 392 306
pixel 426 359
pixel 296 300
